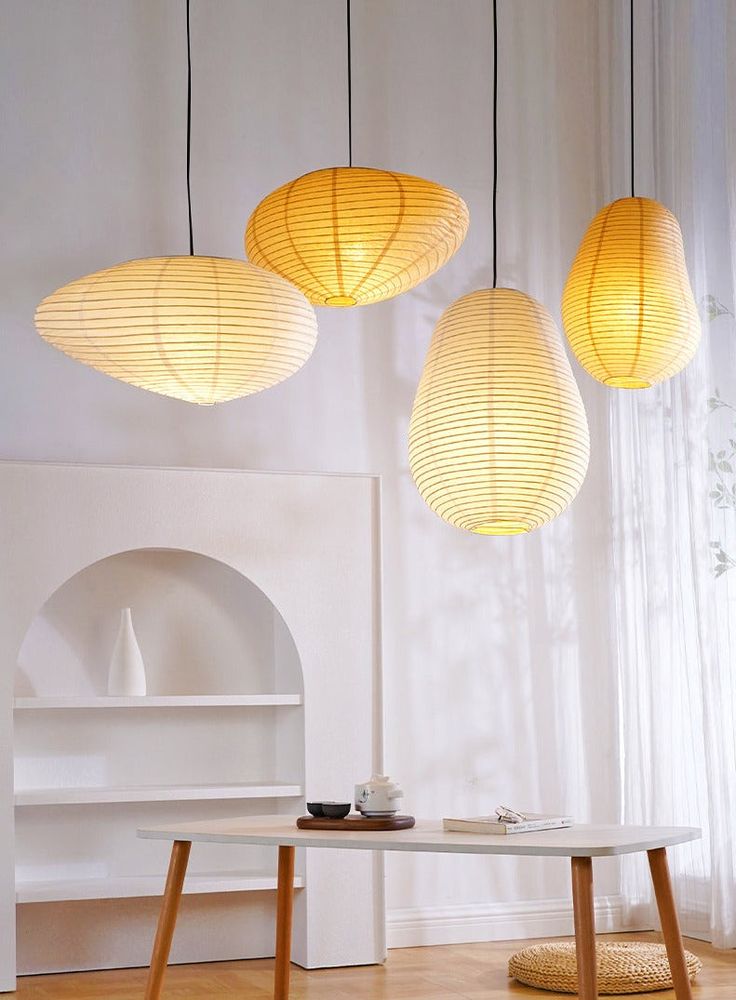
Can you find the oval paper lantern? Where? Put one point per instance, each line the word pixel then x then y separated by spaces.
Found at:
pixel 349 236
pixel 498 441
pixel 628 308
pixel 202 329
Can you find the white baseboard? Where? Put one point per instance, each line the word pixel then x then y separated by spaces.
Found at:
pixel 433 925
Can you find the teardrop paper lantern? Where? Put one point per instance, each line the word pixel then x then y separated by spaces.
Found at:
pixel 628 308
pixel 353 235
pixel 202 329
pixel 498 441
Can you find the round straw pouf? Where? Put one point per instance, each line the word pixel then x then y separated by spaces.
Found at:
pixel 623 967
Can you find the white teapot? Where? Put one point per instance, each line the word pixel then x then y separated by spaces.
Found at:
pixel 378 797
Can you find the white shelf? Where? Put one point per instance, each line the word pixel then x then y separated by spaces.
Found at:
pixel 161 701
pixel 124 887
pixel 152 793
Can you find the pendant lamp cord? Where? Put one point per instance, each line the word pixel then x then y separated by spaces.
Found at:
pixel 495 135
pixel 189 132
pixel 350 91
pixel 631 86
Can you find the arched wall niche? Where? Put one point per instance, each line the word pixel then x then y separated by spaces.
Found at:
pixel 202 625
pixel 204 629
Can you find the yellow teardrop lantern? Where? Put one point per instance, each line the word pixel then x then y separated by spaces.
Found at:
pixel 628 308
pixel 498 441
pixel 202 329
pixel 353 235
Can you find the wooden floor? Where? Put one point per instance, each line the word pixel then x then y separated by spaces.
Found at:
pixel 472 971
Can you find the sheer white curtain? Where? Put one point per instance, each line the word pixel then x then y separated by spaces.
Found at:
pixel 673 473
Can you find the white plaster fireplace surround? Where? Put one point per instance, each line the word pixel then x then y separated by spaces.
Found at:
pixel 295 562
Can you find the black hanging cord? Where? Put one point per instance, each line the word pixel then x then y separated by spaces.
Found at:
pixel 350 91
pixel 631 86
pixel 189 132
pixel 495 133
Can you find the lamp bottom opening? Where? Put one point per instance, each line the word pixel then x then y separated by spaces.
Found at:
pixel 502 528
pixel 341 300
pixel 627 382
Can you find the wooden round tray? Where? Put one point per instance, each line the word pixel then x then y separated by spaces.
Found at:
pixel 355 822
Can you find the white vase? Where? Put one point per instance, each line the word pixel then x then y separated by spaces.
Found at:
pixel 127 675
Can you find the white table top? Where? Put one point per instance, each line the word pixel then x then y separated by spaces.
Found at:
pixel 581 840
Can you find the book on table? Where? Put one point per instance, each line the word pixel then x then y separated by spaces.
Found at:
pixel 491 824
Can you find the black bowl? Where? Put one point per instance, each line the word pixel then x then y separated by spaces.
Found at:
pixel 336 810
pixel 315 809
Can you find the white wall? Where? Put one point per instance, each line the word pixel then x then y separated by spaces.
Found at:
pixel 498 682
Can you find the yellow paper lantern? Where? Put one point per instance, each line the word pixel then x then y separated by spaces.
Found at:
pixel 628 308
pixel 353 235
pixel 498 440
pixel 202 329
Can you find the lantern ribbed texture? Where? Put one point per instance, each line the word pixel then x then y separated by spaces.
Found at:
pixel 628 308
pixel 498 441
pixel 202 329
pixel 353 235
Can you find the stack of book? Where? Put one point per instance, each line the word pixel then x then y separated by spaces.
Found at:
pixel 492 824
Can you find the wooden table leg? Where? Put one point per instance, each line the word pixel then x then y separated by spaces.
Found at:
pixel 284 912
pixel 670 924
pixel 167 917
pixel 582 902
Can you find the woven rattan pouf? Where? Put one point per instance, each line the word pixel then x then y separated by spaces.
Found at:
pixel 625 967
